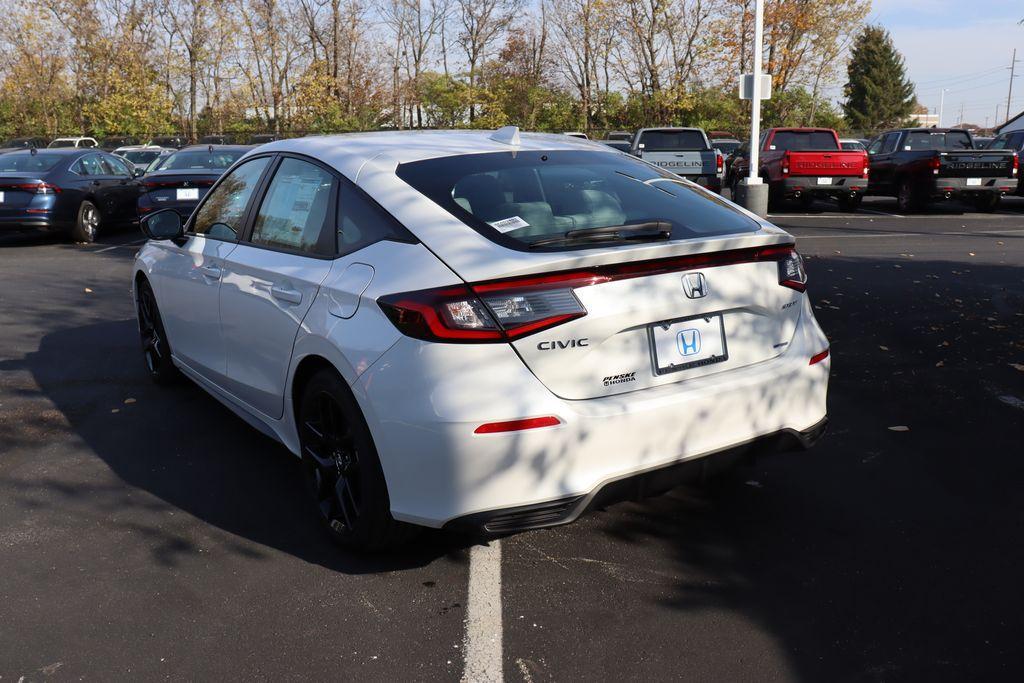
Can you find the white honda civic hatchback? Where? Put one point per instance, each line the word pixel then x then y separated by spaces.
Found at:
pixel 484 330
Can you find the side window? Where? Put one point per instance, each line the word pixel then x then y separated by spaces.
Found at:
pixel 362 222
pixel 89 165
pixel 296 209
pixel 221 214
pixel 1016 141
pixel 876 146
pixel 890 142
pixel 116 166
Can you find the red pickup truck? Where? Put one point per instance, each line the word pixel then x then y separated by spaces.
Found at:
pixel 804 163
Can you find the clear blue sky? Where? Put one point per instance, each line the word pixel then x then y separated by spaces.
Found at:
pixel 963 46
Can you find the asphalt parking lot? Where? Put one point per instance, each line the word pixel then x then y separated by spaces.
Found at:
pixel 148 533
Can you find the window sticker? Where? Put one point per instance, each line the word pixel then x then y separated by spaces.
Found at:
pixel 509 224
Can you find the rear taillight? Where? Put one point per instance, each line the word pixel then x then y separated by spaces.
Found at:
pixel 38 187
pixel 505 310
pixel 934 163
pixel 867 166
pixel 484 313
pixel 785 165
pixel 1016 164
pixel 719 161
pixel 791 271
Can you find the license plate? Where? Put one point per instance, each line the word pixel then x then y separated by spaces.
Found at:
pixel 824 181
pixel 975 182
pixel 188 193
pixel 688 343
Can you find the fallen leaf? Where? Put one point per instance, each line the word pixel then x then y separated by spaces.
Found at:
pixel 971 253
pixel 899 428
pixel 1017 366
pixel 884 348
pixel 129 401
pixel 940 364
pixel 755 484
pixel 88 291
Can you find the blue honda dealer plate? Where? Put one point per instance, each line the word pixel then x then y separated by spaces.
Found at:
pixel 689 343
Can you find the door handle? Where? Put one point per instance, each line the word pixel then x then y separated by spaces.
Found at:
pixel 212 272
pixel 96 182
pixel 292 296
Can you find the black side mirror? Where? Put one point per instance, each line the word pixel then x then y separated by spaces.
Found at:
pixel 138 172
pixel 163 225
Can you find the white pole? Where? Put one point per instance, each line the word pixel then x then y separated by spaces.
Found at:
pixel 755 96
pixel 942 101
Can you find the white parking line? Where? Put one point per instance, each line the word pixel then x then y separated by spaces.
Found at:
pixel 483 640
pixel 118 246
pixel 861 235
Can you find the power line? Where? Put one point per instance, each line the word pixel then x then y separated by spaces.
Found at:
pixel 965 77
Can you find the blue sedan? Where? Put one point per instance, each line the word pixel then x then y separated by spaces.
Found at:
pixel 75 191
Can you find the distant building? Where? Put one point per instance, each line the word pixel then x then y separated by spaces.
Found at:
pixel 1014 124
pixel 925 120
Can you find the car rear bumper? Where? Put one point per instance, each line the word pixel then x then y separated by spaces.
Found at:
pixel 810 185
pixel 424 400
pixel 29 221
pixel 635 486
pixel 959 186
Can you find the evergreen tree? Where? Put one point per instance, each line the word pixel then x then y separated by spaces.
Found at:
pixel 878 93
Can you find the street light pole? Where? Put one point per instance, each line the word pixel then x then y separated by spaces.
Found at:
pixel 942 102
pixel 754 178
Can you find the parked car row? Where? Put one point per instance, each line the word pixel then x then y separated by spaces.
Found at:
pixel 79 190
pixel 917 166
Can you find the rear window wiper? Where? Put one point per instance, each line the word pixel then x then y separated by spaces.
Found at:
pixel 649 231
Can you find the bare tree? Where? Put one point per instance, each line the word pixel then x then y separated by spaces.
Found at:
pixel 481 22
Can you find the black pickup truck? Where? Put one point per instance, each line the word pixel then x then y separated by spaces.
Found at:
pixel 917 165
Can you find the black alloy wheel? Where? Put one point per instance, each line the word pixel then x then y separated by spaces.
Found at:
pixel 156 350
pixel 341 467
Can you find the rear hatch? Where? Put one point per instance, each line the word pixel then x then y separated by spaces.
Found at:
pixel 976 164
pixel 17 193
pixel 604 274
pixel 703 315
pixel 826 163
pixel 170 189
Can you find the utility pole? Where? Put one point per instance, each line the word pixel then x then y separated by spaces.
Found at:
pixel 960 123
pixel 942 101
pixel 1009 93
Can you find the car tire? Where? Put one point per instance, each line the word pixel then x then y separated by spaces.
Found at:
pixel 986 203
pixel 850 204
pixel 156 349
pixel 906 198
pixel 87 223
pixel 342 471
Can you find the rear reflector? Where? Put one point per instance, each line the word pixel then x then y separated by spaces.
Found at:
pixel 517 425
pixel 818 357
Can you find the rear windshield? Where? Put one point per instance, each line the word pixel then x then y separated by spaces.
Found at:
pixel 803 139
pixel 515 198
pixel 922 139
pixel 725 146
pixel 672 140
pixel 183 161
pixel 62 143
pixel 30 163
pixel 140 157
